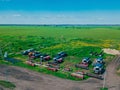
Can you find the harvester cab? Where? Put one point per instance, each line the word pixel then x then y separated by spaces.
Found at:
pixel 98 68
pixel 58 59
pixel 26 52
pixel 62 54
pixel 99 60
pixel 37 54
pixel 44 57
pixel 86 60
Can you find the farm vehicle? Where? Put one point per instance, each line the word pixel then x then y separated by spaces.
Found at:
pixel 94 76
pixel 67 69
pixel 59 58
pixel 26 52
pixel 99 60
pixel 44 57
pixel 84 64
pixel 83 74
pixel 31 63
pixel 52 69
pixel 35 54
pixel 98 68
pixel 62 54
pixel 78 75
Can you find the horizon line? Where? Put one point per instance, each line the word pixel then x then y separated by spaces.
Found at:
pixel 59 24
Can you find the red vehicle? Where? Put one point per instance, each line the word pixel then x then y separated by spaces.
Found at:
pixel 52 69
pixel 45 57
pixel 30 63
pixel 58 59
pixel 84 64
pixel 78 75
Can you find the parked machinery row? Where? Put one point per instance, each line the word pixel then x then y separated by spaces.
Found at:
pixel 32 54
pixel 98 65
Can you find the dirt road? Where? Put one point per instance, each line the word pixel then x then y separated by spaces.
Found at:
pixel 28 80
pixel 112 79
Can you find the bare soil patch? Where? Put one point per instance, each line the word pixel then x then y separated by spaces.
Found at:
pixel 111 51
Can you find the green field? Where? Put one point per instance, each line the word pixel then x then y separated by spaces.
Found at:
pixel 76 41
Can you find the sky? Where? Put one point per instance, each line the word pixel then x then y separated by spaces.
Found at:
pixel 59 11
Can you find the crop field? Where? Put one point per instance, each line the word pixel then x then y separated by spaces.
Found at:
pixel 76 41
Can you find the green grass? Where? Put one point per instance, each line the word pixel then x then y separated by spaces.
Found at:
pixel 76 41
pixel 59 32
pixel 7 84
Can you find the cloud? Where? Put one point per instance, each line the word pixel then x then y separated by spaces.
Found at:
pixel 100 18
pixel 16 15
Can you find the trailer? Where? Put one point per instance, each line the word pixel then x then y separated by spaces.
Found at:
pixel 52 69
pixel 81 65
pixel 29 62
pixel 94 76
pixel 53 63
pixel 78 75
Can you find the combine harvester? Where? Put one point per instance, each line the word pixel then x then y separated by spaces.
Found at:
pixel 59 58
pixel 84 64
pixel 98 68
